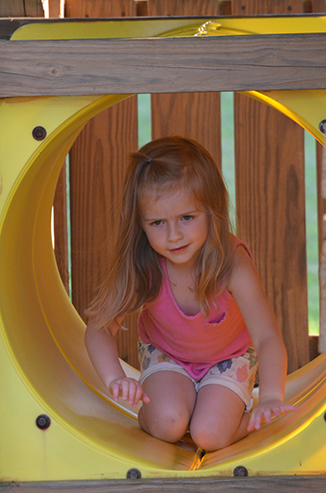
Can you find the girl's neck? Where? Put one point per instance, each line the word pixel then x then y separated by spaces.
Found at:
pixel 181 275
pixel 180 269
pixel 182 283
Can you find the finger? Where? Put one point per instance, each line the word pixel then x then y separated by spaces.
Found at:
pixel 145 398
pixel 125 390
pixel 255 422
pixel 250 426
pixel 138 395
pixel 132 392
pixel 287 408
pixel 268 414
pixel 115 390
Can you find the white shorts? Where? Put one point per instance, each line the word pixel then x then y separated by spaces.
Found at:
pixel 238 374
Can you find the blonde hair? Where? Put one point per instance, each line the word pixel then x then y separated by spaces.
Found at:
pixel 135 274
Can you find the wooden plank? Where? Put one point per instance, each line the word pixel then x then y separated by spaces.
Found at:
pixel 288 484
pixel 184 8
pixel 195 115
pixel 98 161
pixel 100 8
pixel 313 347
pixel 21 8
pixel 270 195
pixel 320 6
pixel 56 8
pixel 75 67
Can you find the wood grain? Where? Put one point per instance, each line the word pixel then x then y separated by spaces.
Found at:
pixel 75 67
pixel 195 115
pixel 270 195
pixel 288 484
pixel 98 162
pixel 21 8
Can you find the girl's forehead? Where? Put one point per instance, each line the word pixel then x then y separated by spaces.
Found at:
pixel 168 200
pixel 157 192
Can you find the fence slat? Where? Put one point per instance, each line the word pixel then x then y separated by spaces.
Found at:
pixel 21 8
pixel 97 162
pixel 195 115
pixel 270 193
pixel 319 6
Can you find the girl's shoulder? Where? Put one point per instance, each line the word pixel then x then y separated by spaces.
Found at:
pixel 235 243
pixel 243 272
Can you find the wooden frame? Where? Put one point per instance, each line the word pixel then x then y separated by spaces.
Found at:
pixel 260 62
pixel 118 66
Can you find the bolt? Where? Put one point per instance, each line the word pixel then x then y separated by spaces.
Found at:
pixel 322 126
pixel 43 421
pixel 39 133
pixel 240 471
pixel 133 474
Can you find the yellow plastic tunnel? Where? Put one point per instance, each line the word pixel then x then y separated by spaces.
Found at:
pixel 57 421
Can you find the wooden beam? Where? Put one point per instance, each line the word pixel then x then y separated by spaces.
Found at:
pixel 286 484
pixel 123 66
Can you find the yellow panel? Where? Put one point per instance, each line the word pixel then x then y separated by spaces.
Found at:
pixel 42 352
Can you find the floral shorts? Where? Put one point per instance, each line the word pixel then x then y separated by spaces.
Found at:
pixel 238 374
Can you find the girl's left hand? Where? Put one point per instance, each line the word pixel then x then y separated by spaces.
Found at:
pixel 265 410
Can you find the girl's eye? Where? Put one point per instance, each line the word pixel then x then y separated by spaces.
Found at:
pixel 187 218
pixel 157 223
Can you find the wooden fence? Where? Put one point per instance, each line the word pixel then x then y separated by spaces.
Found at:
pixel 269 170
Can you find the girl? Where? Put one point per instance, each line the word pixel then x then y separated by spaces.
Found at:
pixel 204 317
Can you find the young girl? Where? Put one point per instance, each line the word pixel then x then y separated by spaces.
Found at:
pixel 204 318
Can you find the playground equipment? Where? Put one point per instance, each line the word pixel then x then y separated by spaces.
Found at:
pixel 57 420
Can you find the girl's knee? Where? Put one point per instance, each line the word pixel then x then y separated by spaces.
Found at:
pixel 165 425
pixel 211 438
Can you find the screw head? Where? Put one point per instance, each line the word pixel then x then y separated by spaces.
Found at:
pixel 322 126
pixel 133 474
pixel 39 133
pixel 43 421
pixel 240 471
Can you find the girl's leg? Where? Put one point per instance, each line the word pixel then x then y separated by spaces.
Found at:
pixel 172 400
pixel 218 418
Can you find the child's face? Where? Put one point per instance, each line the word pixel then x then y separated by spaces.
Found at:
pixel 176 225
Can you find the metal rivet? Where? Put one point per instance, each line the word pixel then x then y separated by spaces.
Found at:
pixel 240 471
pixel 133 474
pixel 43 421
pixel 39 133
pixel 322 126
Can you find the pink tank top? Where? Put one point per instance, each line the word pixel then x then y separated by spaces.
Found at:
pixel 195 342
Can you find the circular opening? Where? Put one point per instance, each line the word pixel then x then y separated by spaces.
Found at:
pixel 43 333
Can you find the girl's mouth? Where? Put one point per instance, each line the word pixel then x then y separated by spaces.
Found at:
pixel 179 249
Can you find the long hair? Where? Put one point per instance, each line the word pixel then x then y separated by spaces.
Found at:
pixel 135 274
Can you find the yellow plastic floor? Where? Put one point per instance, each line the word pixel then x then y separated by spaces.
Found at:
pixel 43 361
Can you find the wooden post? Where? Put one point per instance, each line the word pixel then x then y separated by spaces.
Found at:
pixel 97 164
pixel 195 115
pixel 21 8
pixel 319 6
pixel 270 195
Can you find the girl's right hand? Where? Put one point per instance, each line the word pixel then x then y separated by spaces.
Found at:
pixel 129 389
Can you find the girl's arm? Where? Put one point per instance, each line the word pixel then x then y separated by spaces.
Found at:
pixel 260 320
pixel 103 353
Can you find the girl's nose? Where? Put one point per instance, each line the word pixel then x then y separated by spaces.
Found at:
pixel 174 232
